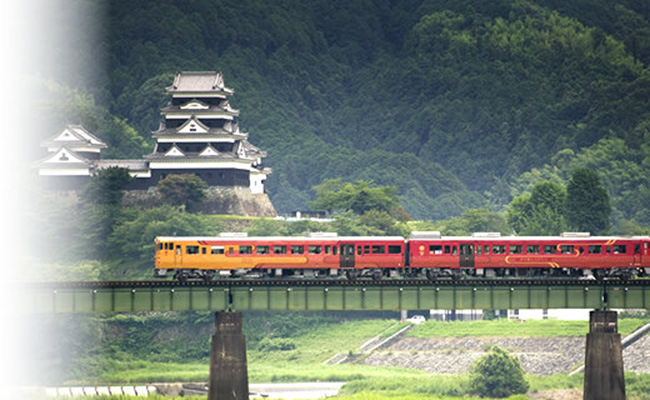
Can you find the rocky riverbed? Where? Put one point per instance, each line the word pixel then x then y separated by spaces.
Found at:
pixel 540 356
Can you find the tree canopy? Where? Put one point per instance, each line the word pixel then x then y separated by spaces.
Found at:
pixel 540 213
pixel 334 195
pixel 588 208
pixel 187 190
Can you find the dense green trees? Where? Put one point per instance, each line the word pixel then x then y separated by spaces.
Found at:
pixel 451 103
pixel 334 195
pixel 186 190
pixel 360 208
pixel 540 213
pixel 588 208
pixel 102 209
pixel 551 209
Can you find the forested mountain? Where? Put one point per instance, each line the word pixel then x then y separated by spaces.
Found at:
pixel 456 103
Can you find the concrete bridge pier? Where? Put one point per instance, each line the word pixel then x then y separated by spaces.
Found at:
pixel 228 366
pixel 604 378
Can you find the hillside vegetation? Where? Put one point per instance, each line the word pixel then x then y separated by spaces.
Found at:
pixel 457 104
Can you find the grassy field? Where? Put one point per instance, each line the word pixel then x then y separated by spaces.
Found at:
pixel 513 328
pixel 300 358
pixel 318 345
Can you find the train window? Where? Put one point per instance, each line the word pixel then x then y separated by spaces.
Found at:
pixel 499 249
pixel 532 249
pixel 608 249
pixel 245 249
pixel 582 249
pixel 263 249
pixel 478 250
pixel 192 250
pixel 550 249
pixel 378 249
pixel 217 250
pixel 516 249
pixel 486 249
pixel 334 250
pixel 178 249
pixel 160 246
pixel 619 249
pixel 447 249
pixel 327 249
pixel 394 249
pixel 435 249
pixel 359 250
pixel 567 249
pixel 203 251
pixel 454 251
pixel 314 249
pixel 231 250
pixel 595 249
pixel 171 246
pixel 279 249
pixel 297 249
pixel 466 250
pixel 637 249
pixel 366 249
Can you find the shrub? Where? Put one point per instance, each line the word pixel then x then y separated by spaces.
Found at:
pixel 498 374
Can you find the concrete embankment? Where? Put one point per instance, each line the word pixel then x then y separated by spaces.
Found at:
pixel 542 356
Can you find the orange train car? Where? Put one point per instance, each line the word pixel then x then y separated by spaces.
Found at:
pixel 204 257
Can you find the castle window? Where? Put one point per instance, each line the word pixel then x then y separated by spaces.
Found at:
pixel 63 157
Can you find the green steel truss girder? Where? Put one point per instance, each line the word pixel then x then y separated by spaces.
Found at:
pixel 80 299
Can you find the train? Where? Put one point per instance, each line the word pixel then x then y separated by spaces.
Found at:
pixel 426 255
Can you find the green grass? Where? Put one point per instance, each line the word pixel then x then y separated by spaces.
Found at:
pixel 320 344
pixel 406 396
pixel 514 328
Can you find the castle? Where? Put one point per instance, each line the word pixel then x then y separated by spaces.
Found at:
pixel 199 133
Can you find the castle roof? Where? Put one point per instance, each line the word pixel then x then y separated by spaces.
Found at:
pixel 74 135
pixel 204 82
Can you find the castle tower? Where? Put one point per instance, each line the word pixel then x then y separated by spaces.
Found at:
pixel 71 158
pixel 200 134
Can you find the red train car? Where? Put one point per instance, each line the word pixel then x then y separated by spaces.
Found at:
pixel 571 254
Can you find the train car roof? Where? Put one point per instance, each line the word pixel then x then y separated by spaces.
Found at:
pixel 282 238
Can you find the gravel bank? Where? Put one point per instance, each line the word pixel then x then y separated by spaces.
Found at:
pixel 540 356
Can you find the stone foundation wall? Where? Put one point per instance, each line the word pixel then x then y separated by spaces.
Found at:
pixel 220 200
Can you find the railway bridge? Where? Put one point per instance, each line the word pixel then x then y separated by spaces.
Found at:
pixel 228 369
pixel 316 295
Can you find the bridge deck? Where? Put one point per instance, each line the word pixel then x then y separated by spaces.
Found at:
pixel 302 295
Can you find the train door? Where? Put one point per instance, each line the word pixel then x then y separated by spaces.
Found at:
pixel 466 255
pixel 178 256
pixel 347 255
pixel 637 255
